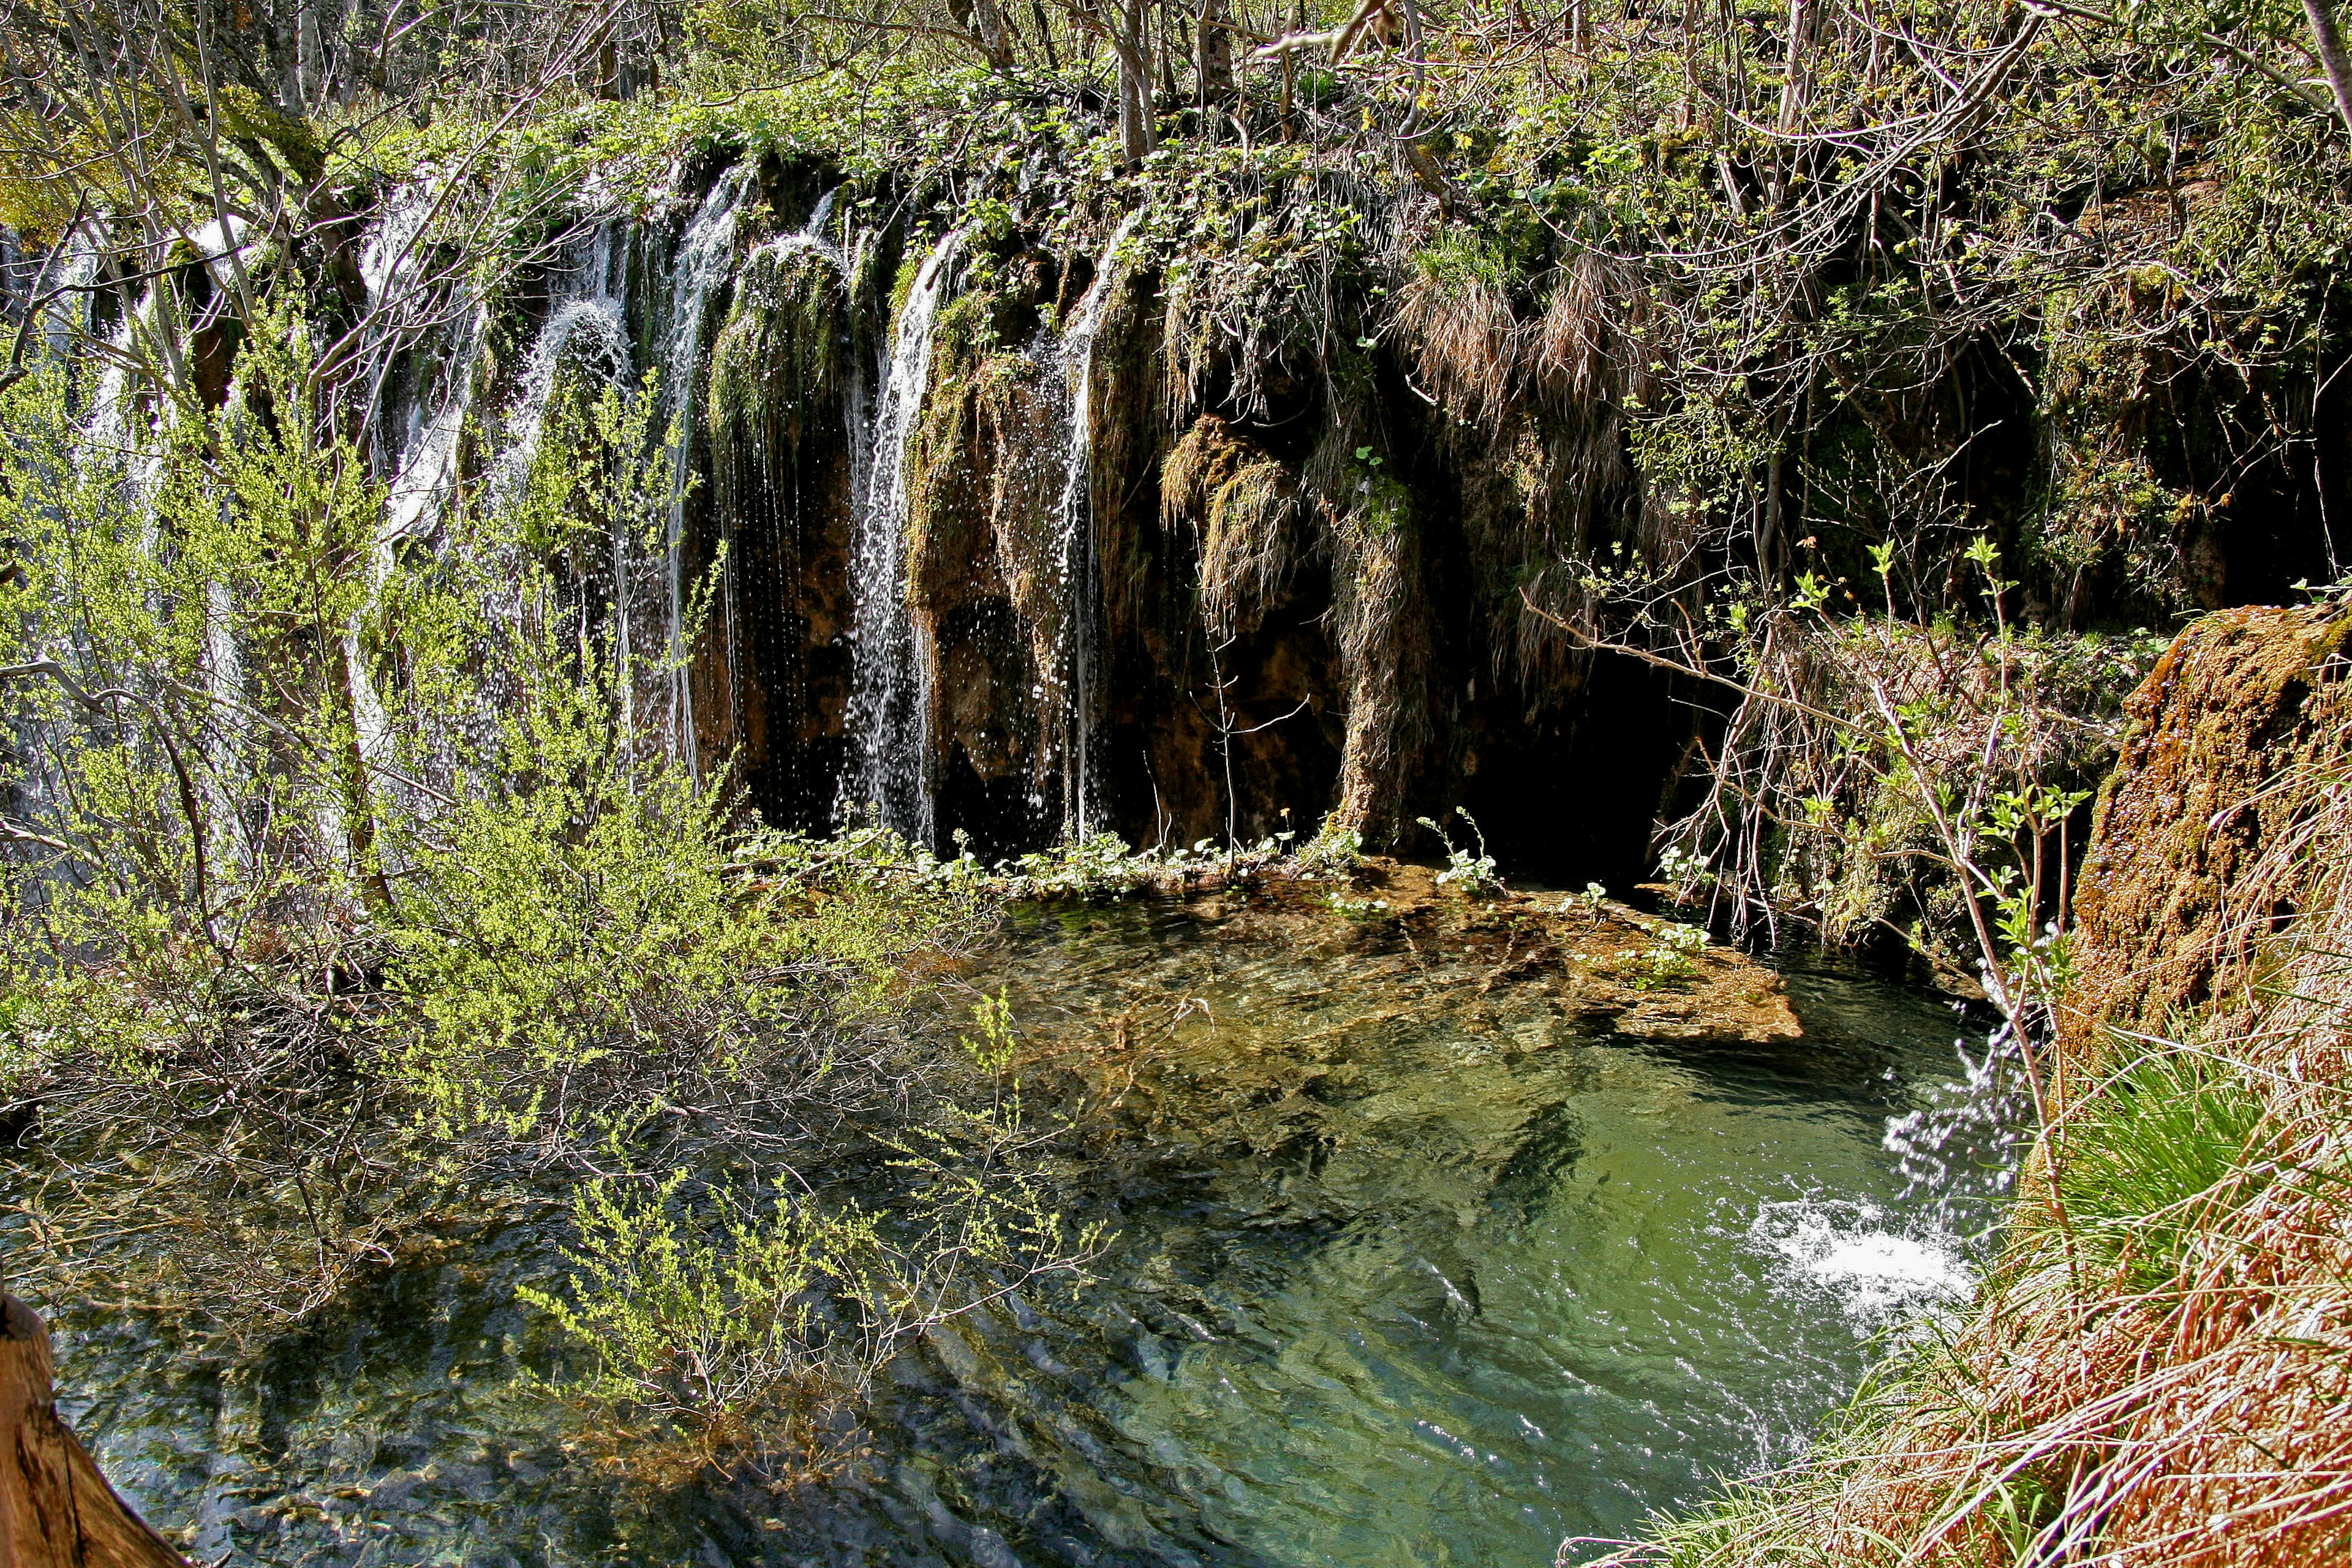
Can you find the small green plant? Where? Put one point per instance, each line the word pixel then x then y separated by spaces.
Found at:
pixel 2161 1153
pixel 1671 959
pixel 1589 903
pixel 1335 850
pixel 724 1328
pixel 1683 871
pixel 1471 875
pixel 713 1334
pixel 1366 912
pixel 2020 1508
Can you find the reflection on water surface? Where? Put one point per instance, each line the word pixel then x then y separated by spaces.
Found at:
pixel 1416 1264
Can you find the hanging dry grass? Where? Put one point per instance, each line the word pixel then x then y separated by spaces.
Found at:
pixel 1381 621
pixel 1245 505
pixel 1456 310
pixel 1575 341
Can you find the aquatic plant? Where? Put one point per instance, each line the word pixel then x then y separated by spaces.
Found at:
pixel 1334 851
pixel 731 1330
pixel 1363 911
pixel 1472 875
pixel 1670 959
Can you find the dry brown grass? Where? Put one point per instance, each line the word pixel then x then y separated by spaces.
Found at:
pixel 1467 340
pixel 1245 505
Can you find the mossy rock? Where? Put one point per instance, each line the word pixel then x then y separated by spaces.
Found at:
pixel 2241 722
pixel 783 353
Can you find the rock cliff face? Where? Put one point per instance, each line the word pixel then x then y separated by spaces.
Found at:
pixel 1004 542
pixel 1021 526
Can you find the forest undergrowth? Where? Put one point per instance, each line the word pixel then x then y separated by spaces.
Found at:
pixel 351 911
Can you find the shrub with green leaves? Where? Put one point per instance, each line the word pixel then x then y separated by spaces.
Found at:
pixel 345 888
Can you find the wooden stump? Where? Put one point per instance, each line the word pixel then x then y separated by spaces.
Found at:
pixel 56 1508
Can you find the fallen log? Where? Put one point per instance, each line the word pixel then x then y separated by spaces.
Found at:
pixel 56 1508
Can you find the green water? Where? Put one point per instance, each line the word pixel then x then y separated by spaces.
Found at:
pixel 1412 1267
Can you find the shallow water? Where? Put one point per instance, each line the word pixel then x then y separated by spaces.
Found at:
pixel 1412 1267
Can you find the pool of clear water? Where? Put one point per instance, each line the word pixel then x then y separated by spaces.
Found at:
pixel 1412 1265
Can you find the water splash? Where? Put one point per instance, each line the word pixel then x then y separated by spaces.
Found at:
pixel 388 252
pixel 1961 1148
pixel 890 679
pixel 585 331
pixel 1955 1154
pixel 1876 1267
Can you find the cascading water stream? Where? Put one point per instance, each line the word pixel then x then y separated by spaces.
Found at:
pixel 424 432
pixel 891 697
pixel 585 331
pixel 63 322
pixel 706 260
pixel 766 263
pixel 1078 588
pixel 812 236
pixel 124 435
pixel 424 470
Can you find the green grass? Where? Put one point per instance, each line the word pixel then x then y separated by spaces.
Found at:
pixel 2160 1152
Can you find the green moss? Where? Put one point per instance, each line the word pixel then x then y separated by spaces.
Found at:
pixel 1388 508
pixel 902 283
pixel 962 333
pixel 777 365
pixel 1459 262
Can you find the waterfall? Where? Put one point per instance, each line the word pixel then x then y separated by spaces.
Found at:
pixel 427 473
pixel 388 253
pixel 769 266
pixel 1078 618
pixel 889 702
pixel 424 470
pixel 65 320
pixel 585 330
pixel 854 412
pixel 117 431
pixel 706 260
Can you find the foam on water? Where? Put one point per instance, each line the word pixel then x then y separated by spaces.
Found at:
pixel 1876 1268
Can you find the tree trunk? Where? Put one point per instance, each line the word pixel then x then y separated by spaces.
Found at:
pixel 2332 58
pixel 56 1508
pixel 983 22
pixel 1216 53
pixel 1131 42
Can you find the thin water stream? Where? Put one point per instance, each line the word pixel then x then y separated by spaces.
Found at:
pixel 1415 1264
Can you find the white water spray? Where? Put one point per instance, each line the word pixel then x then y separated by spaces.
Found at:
pixel 1077 598
pixel 891 696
